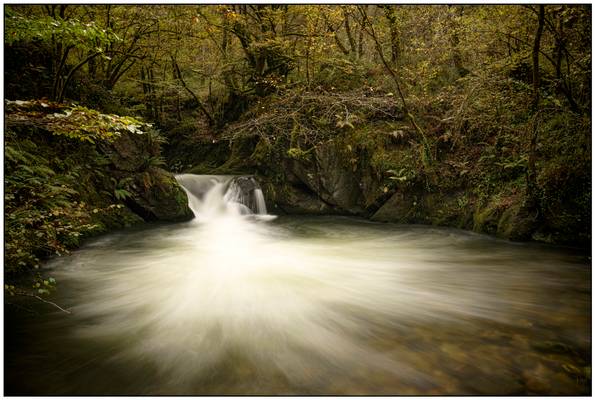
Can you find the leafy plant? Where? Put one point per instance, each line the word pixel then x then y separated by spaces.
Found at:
pixel 74 122
pixel 154 161
pixel 71 32
pixel 121 188
pixel 403 175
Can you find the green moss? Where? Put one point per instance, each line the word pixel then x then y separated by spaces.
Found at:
pixel 486 219
pixel 262 152
pixel 448 210
pixel 506 223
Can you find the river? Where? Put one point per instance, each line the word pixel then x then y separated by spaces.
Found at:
pixel 236 303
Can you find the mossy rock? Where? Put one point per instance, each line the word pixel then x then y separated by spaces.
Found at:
pixel 509 218
pixel 513 225
pixel 130 151
pixel 328 176
pixel 485 219
pixel 158 196
pixel 119 218
pixel 449 209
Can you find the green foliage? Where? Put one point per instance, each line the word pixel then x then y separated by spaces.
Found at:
pixel 122 187
pixel 154 136
pixel 42 216
pixel 74 122
pixel 47 29
pixel 42 285
pixel 402 175
pixel 340 74
pixel 53 170
pixel 10 289
pixel 298 154
pixel 121 194
pixel 345 121
pixel 154 161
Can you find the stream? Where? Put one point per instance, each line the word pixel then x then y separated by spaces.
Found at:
pixel 239 302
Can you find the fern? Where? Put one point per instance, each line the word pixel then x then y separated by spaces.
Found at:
pixel 122 194
pixel 155 161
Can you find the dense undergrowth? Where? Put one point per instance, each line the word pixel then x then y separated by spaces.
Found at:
pixel 66 178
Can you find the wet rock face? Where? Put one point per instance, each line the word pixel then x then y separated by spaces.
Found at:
pixel 300 200
pixel 328 178
pixel 395 209
pixel 247 184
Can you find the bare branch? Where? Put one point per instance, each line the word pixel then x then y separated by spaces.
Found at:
pixel 43 300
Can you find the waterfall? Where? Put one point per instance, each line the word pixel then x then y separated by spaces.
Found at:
pixel 261 207
pixel 212 196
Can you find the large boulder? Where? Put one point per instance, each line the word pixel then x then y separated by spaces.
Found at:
pixel 74 173
pixel 328 176
pixel 157 196
pixel 247 184
pixel 131 152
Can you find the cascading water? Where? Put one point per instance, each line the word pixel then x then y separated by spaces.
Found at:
pixel 229 304
pixel 211 196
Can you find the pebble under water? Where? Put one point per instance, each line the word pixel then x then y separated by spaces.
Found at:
pixel 306 305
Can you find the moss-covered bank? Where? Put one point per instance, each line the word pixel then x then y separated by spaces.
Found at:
pixel 72 172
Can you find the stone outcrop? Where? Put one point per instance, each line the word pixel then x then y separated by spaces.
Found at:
pixel 156 195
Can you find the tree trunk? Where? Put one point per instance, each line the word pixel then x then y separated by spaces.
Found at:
pixel 427 158
pixel 71 73
pixel 395 45
pixel 152 96
pixel 58 73
pixel 536 46
pixel 349 34
pixel 360 44
pixel 455 40
pixel 201 107
pixel 530 208
pixel 559 46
